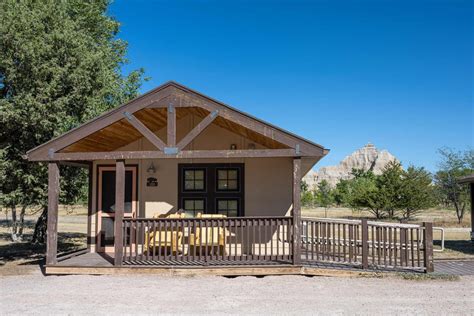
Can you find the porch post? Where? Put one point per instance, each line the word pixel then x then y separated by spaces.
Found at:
pixel 52 225
pixel 90 238
pixel 296 211
pixel 471 185
pixel 119 210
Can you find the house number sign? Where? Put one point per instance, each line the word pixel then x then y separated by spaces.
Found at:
pixel 151 182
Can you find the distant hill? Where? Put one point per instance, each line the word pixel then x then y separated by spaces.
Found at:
pixel 367 157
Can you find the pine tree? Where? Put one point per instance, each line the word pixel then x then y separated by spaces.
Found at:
pixel 60 65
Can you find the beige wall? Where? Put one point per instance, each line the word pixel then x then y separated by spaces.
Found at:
pixel 268 185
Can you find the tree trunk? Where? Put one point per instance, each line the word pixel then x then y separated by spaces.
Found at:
pixel 459 211
pixel 39 235
pixel 14 227
pixel 22 222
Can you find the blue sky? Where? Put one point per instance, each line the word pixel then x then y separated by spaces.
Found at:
pixel 341 73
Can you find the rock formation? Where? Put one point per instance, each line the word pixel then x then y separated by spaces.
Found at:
pixel 367 157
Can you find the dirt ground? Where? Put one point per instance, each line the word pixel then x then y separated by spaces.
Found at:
pixel 294 295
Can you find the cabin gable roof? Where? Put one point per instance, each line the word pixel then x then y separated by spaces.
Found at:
pixel 146 110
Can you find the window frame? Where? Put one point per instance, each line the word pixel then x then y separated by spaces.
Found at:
pixel 228 199
pixel 183 180
pixel 227 169
pixel 211 194
pixel 203 199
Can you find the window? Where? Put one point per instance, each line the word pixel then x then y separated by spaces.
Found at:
pixel 194 180
pixel 193 206
pixel 228 207
pixel 211 188
pixel 228 179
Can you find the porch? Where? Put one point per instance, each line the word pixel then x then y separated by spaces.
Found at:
pixel 261 246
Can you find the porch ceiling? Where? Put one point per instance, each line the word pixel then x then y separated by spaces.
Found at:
pixel 122 133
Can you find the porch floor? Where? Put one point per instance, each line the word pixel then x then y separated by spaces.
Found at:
pixel 94 259
pixel 90 259
pixel 102 263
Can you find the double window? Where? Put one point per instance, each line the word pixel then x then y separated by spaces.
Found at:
pixel 211 189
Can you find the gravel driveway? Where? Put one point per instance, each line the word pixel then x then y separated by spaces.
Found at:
pixel 218 295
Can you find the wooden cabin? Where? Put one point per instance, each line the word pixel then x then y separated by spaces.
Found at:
pixel 177 179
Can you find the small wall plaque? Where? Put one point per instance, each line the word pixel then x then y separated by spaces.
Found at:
pixel 151 182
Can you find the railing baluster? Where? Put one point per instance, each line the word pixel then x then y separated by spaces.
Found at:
pixel 351 250
pixel 412 248
pixel 136 239
pixel 418 247
pixel 265 237
pixel 124 240
pixel 278 239
pixel 333 241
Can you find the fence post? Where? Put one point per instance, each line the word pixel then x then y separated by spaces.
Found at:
pixel 428 240
pixel 365 244
pixel 403 247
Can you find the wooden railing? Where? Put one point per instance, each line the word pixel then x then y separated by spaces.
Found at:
pixel 369 245
pixel 207 241
pixel 270 240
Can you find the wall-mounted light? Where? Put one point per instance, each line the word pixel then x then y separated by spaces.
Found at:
pixel 233 146
pixel 251 146
pixel 151 168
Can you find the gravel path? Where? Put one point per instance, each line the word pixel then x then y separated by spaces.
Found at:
pixel 36 294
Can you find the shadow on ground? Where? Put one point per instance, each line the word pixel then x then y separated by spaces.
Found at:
pixel 463 246
pixel 31 253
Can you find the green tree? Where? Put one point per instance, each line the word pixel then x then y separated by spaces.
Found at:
pixel 453 165
pixel 417 192
pixel 389 185
pixel 342 192
pixel 307 198
pixel 323 195
pixel 365 193
pixel 60 65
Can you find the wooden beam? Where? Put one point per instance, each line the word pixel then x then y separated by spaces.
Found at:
pixel 52 224
pixel 148 134
pixel 197 130
pixel 296 211
pixel 101 122
pixel 171 125
pixel 113 155
pixel 90 215
pixel 119 210
pixel 192 98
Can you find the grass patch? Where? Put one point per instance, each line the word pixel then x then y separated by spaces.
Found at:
pixel 428 276
pixel 411 276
